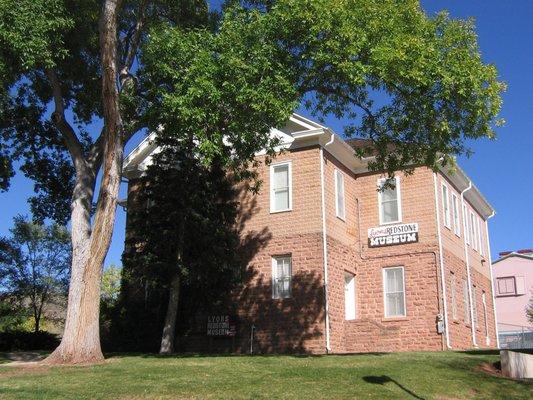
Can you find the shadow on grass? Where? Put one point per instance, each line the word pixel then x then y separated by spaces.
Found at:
pixel 383 379
pixel 234 355
pixel 480 352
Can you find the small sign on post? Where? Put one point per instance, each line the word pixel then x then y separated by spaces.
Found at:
pixel 221 325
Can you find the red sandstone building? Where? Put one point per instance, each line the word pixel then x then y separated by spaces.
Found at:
pixel 343 267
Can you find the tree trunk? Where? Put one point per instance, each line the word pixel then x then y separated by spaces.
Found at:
pixel 169 329
pixel 81 338
pixel 37 324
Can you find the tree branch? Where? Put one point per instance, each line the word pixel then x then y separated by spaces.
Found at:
pixel 58 117
pixel 134 43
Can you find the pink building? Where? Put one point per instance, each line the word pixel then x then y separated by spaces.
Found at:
pixel 513 287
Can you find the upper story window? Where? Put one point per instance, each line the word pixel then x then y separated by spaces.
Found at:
pixel 465 224
pixel 281 277
pixel 280 187
pixel 481 236
pixel 340 207
pixel 389 199
pixel 446 206
pixel 394 292
pixel 506 286
pixel 473 230
pixel 456 219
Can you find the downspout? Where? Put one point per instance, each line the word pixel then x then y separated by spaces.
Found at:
pixel 441 262
pixel 467 261
pixel 491 281
pixel 324 240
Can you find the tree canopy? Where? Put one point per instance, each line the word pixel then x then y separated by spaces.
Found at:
pixel 34 265
pixel 80 78
pixel 393 74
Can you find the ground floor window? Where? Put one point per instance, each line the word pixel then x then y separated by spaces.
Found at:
pixel 466 303
pixel 394 292
pixel 349 295
pixel 474 305
pixel 281 277
pixel 453 289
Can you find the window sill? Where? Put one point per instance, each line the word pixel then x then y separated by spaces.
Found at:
pixel 280 211
pixel 352 320
pixel 395 319
pixel 341 218
pixel 389 223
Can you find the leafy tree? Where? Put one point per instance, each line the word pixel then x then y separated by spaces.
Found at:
pixel 202 255
pixel 111 283
pixel 415 86
pixel 12 317
pixel 34 264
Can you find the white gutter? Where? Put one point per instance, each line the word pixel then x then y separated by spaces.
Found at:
pixel 492 281
pixel 441 262
pixel 324 240
pixel 467 261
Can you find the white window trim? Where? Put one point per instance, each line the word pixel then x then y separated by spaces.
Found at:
pixel 384 280
pixel 480 237
pixel 474 306
pixel 466 304
pixel 466 224
pixel 398 197
pixel 446 206
pixel 473 230
pixel 453 290
pixel 274 275
pixel 340 215
pixel 354 297
pixel 272 198
pixel 456 215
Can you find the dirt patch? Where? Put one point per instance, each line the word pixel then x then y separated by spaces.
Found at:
pixel 24 356
pixel 490 369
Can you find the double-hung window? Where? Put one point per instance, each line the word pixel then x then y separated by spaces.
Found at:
pixel 389 199
pixel 474 305
pixel 340 207
pixel 446 206
pixel 473 230
pixel 394 292
pixel 281 277
pixel 280 187
pixel 466 303
pixel 349 296
pixel 481 236
pixel 456 219
pixel 453 289
pixel 465 222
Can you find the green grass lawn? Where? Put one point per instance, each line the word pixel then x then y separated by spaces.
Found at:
pixel 442 376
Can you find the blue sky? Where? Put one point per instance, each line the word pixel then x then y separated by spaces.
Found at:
pixel 502 169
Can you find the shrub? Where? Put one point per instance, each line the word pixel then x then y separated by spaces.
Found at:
pixel 26 341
